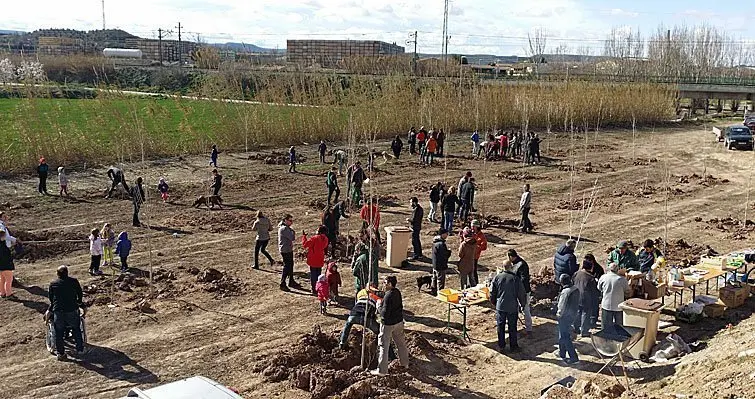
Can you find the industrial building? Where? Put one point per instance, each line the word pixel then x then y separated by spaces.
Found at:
pixel 329 53
pixel 170 49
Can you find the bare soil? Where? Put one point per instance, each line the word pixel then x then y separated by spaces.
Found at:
pixel 208 313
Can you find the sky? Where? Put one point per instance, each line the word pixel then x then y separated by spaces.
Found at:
pixel 475 26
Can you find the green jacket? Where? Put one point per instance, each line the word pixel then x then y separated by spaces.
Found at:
pixel 331 180
pixel 627 261
pixel 360 268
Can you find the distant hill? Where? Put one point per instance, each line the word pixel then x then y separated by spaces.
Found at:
pixel 11 32
pixel 247 47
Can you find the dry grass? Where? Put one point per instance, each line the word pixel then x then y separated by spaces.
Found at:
pixel 113 126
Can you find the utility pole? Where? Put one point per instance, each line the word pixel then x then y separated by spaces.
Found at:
pixel 160 44
pixel 180 47
pixel 103 14
pixel 445 35
pixel 413 36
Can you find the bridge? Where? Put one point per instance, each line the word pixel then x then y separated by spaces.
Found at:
pixel 699 88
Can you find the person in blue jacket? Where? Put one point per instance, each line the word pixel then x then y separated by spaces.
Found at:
pixel 123 249
pixel 564 261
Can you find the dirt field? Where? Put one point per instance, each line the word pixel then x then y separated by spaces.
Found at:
pixel 230 329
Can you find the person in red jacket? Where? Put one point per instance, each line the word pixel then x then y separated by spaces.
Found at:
pixel 482 245
pixel 316 247
pixel 370 215
pixel 504 144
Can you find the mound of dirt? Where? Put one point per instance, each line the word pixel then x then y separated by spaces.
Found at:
pixel 220 283
pixel 5 206
pixel 317 365
pixel 514 175
pixel 544 285
pixel 681 252
pixel 388 201
pixel 275 158
pixel 50 244
pixel 707 181
pixel 736 229
pixel 317 204
pixel 497 221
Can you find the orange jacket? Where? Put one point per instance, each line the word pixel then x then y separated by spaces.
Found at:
pixel 364 214
pixel 316 247
pixel 432 145
pixel 482 244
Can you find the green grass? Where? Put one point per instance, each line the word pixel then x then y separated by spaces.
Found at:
pixel 108 129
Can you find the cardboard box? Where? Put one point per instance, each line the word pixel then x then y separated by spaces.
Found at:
pixel 714 310
pixel 733 296
pixel 653 291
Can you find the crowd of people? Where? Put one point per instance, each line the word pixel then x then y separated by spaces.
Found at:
pixel 588 294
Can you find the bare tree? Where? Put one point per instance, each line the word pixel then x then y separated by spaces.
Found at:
pixel 537 41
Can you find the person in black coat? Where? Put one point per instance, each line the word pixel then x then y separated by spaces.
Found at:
pixel 564 261
pixel 440 256
pixel 137 197
pixel 587 285
pixel 42 171
pixel 507 295
pixel 416 222
pixel 391 310
pixel 116 177
pixel 448 209
pixel 66 298
pixel 396 146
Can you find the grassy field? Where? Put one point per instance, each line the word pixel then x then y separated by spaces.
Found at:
pixel 77 131
pixel 119 127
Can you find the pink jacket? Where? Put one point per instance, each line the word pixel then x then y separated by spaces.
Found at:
pixel 323 290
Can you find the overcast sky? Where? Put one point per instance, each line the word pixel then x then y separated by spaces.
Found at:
pixel 475 26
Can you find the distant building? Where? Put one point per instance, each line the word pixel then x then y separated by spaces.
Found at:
pixel 329 53
pixel 151 49
pixel 51 45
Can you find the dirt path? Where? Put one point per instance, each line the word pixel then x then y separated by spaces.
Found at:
pixel 220 330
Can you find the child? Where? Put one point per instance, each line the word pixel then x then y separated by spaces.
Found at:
pixel 6 268
pixel 63 181
pixel 323 290
pixel 214 156
pixel 162 187
pixel 122 249
pixel 217 182
pixel 95 249
pixel 334 280
pixel 108 242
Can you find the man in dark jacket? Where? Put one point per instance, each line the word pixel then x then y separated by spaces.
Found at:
pixel 585 282
pixel 522 270
pixel 441 253
pixel 467 198
pixel 391 309
pixel 412 140
pixel 507 294
pixel 331 181
pixel 65 300
pixel 416 222
pixel 396 146
pixel 564 261
pixel 435 194
pixel 42 171
pixel 116 177
pixel 448 208
pixel 137 197
pixel 321 150
pixel 568 306
pixel 648 255
pixel 357 180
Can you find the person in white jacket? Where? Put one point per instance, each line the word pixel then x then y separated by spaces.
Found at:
pixel 524 208
pixel 95 249
pixel 63 181
pixel 10 241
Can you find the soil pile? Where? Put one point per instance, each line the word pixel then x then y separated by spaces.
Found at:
pixel 317 365
pixel 275 158
pixel 220 283
pixel 497 221
pixel 680 252
pixel 514 175
pixel 707 181
pixel 53 244
pixel 736 229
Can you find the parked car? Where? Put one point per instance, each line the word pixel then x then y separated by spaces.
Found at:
pixel 738 136
pixel 750 122
pixel 190 388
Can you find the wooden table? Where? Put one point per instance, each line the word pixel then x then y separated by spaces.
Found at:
pixel 691 282
pixel 461 308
